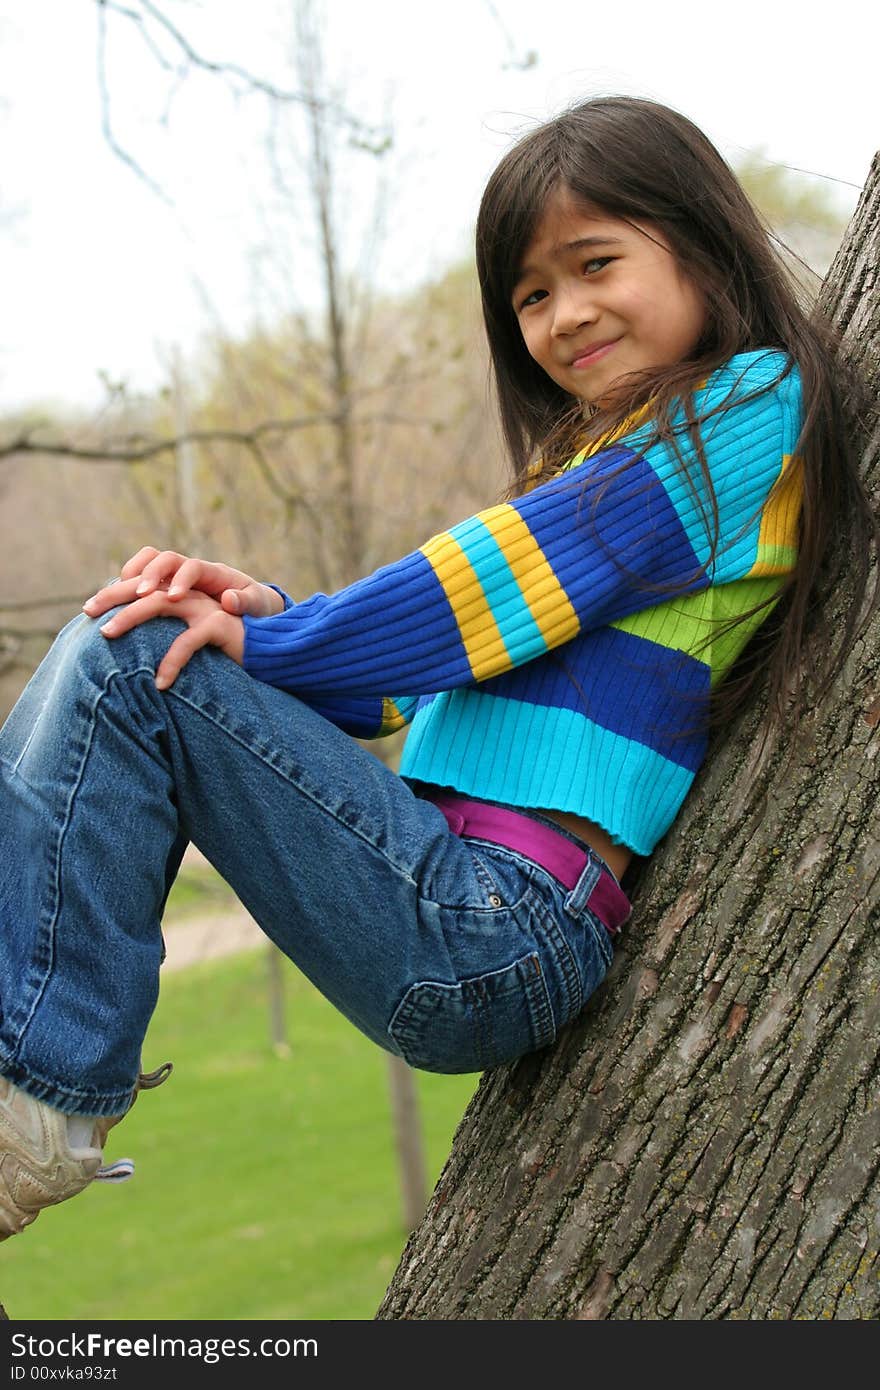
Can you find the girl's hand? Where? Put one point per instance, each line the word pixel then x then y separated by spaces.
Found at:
pixel 207 625
pixel 177 576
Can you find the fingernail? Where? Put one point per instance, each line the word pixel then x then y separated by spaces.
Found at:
pixel 108 628
pixel 175 589
pixel 143 586
pixel 89 603
pixel 162 682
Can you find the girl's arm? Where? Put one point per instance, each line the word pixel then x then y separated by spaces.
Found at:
pixel 619 532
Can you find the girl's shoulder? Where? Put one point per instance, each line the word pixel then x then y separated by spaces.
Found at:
pixel 752 375
pixel 751 388
pixel 754 397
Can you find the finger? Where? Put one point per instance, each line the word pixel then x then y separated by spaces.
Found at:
pixel 137 562
pixel 140 610
pixel 238 601
pixel 255 599
pixel 123 591
pixel 184 647
pixel 187 577
pixel 159 570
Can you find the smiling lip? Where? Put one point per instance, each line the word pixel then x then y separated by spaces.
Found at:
pixel 593 354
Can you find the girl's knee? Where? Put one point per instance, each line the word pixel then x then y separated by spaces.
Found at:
pixel 83 646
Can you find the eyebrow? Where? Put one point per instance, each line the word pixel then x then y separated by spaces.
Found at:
pixel 563 248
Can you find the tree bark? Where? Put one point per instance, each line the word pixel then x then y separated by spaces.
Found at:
pixel 704 1141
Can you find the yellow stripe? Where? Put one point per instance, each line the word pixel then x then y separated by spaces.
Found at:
pixel 779 523
pixel 535 470
pixel 477 627
pixel 545 597
pixel 392 719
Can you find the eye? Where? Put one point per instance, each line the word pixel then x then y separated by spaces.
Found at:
pixel 534 297
pixel 592 267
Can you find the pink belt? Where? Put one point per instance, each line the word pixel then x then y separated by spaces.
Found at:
pixel 553 850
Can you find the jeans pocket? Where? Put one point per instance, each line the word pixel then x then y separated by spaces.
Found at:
pixel 477 1023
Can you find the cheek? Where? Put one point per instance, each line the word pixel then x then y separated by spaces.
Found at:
pixel 647 311
pixel 692 316
pixel 670 321
pixel 534 341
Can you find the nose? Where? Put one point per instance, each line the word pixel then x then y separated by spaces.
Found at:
pixel 573 308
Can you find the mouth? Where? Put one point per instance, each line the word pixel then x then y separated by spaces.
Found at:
pixel 587 356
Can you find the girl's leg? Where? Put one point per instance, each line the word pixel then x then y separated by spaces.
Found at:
pixel 399 923
pixel 105 777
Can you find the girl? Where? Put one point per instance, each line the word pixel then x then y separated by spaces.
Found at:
pixel 553 655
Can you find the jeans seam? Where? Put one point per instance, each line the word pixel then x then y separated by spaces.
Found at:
pixel 604 938
pixel 279 772
pixel 47 928
pixel 520 861
pixel 564 956
pixel 482 872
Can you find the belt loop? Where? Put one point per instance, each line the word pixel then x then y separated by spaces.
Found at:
pixel 577 900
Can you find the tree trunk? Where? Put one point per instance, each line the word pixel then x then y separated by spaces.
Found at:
pixel 703 1142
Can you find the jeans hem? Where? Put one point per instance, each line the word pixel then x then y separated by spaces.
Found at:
pixel 67 1099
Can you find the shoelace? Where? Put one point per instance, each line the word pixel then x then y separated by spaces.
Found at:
pixel 120 1171
pixel 123 1168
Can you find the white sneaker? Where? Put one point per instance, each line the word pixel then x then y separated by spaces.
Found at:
pixel 45 1156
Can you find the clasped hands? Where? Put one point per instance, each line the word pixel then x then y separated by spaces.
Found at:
pixel 210 598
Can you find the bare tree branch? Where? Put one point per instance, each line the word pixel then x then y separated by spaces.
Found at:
pixel 529 58
pixel 257 84
pixel 26 444
pixel 372 138
pixel 28 604
pixel 105 105
pixel 249 439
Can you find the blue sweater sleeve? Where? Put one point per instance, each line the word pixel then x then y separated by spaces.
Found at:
pixel 616 532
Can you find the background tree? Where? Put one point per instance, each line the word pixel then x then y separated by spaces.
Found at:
pixel 311 452
pixel 801 209
pixel 702 1142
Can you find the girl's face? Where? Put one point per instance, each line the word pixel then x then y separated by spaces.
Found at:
pixel 598 297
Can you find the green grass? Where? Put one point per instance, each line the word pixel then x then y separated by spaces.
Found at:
pixel 266 1187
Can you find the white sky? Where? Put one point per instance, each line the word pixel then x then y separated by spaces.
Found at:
pixel 96 272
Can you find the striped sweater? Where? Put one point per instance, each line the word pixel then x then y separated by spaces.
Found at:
pixel 556 650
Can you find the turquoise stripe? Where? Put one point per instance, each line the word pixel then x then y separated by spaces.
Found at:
pixel 406 704
pixel 459 740
pixel 522 637
pixel 741 489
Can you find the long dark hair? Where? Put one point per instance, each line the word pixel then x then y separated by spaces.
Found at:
pixel 636 159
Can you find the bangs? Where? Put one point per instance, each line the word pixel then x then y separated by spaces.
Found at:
pixel 554 157
pixel 515 199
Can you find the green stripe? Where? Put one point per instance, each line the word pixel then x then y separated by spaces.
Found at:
pixel 781 556
pixel 693 624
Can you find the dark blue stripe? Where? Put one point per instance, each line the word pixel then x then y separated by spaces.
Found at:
pixel 359 631
pixel 608 566
pixel 360 716
pixel 627 684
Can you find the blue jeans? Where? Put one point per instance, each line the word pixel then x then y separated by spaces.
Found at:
pixel 456 954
